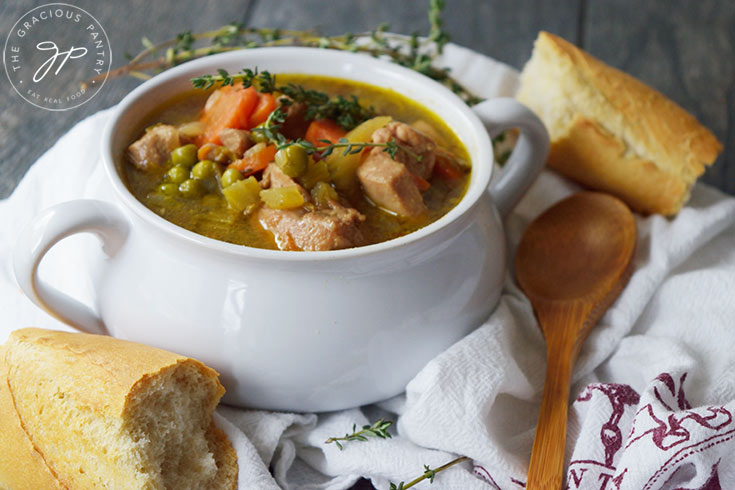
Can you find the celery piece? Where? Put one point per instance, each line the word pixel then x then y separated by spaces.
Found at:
pixel 282 197
pixel 242 194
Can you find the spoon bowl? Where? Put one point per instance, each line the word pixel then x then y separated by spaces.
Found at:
pixel 576 249
pixel 572 262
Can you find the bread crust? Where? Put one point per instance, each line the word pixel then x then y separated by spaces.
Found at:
pixel 22 466
pixel 611 132
pixel 102 371
pixel 588 154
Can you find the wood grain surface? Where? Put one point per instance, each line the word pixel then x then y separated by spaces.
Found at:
pixel 683 48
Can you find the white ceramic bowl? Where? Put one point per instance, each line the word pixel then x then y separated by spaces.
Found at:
pixel 301 331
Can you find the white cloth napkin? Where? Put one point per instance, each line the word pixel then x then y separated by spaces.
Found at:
pixel 655 394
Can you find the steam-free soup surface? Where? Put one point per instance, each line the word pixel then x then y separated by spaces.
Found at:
pixel 209 161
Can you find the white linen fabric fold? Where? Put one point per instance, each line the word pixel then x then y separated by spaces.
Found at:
pixel 654 394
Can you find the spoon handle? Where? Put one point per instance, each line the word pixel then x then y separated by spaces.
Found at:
pixel 546 469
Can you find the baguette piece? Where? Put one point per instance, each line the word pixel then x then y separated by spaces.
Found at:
pixel 81 411
pixel 21 466
pixel 611 132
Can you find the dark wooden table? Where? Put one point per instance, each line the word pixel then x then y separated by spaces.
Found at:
pixel 684 48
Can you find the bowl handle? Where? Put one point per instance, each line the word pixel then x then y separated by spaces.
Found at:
pixel 51 226
pixel 529 154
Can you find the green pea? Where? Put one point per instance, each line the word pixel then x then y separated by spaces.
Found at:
pixel 177 174
pixel 230 176
pixel 258 136
pixel 168 189
pixel 184 155
pixel 204 169
pixel 191 188
pixel 292 160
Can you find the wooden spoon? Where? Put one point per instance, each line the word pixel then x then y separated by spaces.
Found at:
pixel 572 263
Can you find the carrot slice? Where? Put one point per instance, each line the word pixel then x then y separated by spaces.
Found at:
pixel 421 183
pixel 254 161
pixel 324 129
pixel 231 109
pixel 266 105
pixel 446 169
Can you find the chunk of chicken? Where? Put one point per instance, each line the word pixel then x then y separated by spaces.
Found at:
pixel 323 229
pixel 299 229
pixel 417 142
pixel 154 147
pixel 393 183
pixel 274 177
pixel 390 185
pixel 236 140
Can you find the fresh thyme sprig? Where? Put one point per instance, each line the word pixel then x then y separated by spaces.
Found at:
pixel 437 34
pixel 271 131
pixel 378 43
pixel 347 112
pixel 350 148
pixel 271 128
pixel 429 474
pixel 246 76
pixel 501 156
pixel 378 429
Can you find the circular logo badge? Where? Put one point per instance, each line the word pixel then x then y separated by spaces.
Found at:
pixel 57 56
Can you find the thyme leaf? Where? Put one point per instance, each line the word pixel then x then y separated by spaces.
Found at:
pixel 428 474
pixel 437 34
pixel 378 429
pixel 246 76
pixel 501 151
pixel 347 112
pixel 271 128
pixel 350 148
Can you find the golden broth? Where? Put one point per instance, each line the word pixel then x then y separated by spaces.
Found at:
pixel 211 216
